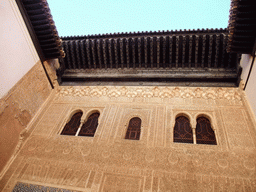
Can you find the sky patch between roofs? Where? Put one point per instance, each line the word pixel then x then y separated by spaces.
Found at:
pixel 86 17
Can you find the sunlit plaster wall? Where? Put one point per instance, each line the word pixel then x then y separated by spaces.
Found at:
pixel 250 89
pixel 17 55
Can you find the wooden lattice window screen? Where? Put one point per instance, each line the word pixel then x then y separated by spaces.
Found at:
pixel 182 130
pixel 72 126
pixel 134 127
pixel 90 126
pixel 204 132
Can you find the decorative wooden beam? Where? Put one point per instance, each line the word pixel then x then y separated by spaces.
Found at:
pixel 93 54
pixel 116 53
pixel 82 43
pixel 183 51
pixel 203 51
pixel 158 52
pixel 133 52
pixel 127 52
pixel 164 51
pixel 190 50
pixel 146 51
pixel 122 52
pixel 72 47
pixel 77 54
pixel 217 45
pixel 110 53
pixel 88 53
pixel 105 53
pixel 224 41
pixel 139 51
pixel 170 50
pixel 99 53
pixel 178 38
pixel 210 51
pixel 151 52
pixel 196 51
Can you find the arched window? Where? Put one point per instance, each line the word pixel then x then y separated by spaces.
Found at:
pixel 90 126
pixel 204 132
pixel 182 130
pixel 72 126
pixel 133 130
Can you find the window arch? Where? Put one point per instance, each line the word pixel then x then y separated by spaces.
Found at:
pixel 182 130
pixel 134 128
pixel 72 126
pixel 204 132
pixel 90 126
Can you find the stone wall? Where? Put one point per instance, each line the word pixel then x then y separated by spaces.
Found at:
pixel 18 107
pixel 108 162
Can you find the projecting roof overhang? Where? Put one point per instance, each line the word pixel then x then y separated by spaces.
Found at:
pixel 38 19
pixel 242 26
pixel 193 57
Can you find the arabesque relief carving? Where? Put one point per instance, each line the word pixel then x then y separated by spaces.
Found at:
pixel 151 92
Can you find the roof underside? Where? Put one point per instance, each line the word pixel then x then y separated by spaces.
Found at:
pixel 176 57
pixel 242 26
pixel 40 24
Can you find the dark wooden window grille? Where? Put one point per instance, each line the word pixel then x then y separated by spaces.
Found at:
pixel 204 132
pixel 182 130
pixel 72 126
pixel 90 126
pixel 133 131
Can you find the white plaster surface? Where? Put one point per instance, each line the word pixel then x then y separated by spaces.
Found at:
pixel 17 54
pixel 250 88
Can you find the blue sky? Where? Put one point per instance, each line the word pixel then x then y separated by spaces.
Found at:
pixel 83 17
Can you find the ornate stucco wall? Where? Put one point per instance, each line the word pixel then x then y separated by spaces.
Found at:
pixel 108 162
pixel 18 107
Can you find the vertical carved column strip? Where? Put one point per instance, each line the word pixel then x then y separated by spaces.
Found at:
pixel 203 50
pixel 190 50
pixel 93 54
pixel 133 52
pixel 183 51
pixel 110 53
pixel 146 52
pixel 82 43
pixel 73 55
pixel 210 51
pixel 99 53
pixel 127 52
pixel 170 50
pixel 122 52
pixel 139 51
pixel 223 50
pixel 105 53
pixel 77 54
pixel 196 51
pixel 217 51
pixel 116 53
pixel 177 51
pixel 151 52
pixel 164 50
pixel 88 53
pixel 158 52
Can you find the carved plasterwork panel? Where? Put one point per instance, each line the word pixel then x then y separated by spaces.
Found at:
pixel 108 162
pixel 175 95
